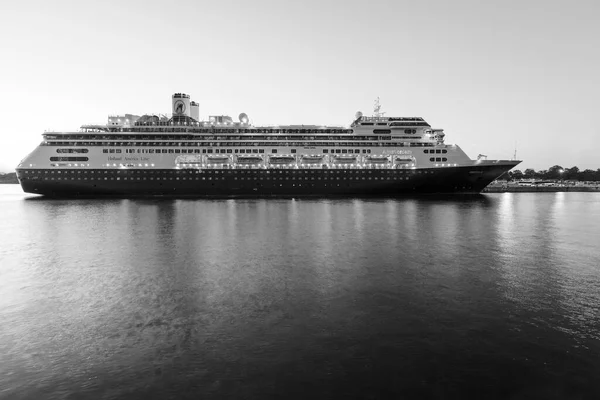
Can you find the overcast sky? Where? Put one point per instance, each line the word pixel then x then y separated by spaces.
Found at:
pixel 492 74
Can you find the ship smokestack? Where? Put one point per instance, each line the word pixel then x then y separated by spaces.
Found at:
pixel 195 110
pixel 181 104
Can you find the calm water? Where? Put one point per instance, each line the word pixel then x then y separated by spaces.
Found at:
pixel 496 296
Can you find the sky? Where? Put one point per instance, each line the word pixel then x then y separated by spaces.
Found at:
pixel 496 76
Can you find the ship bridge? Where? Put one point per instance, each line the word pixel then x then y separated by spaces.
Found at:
pixel 390 121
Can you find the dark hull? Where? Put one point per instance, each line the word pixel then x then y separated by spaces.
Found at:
pixel 260 182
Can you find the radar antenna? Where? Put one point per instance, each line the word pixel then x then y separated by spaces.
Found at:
pixel 377 109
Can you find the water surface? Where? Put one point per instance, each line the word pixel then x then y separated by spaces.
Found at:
pixel 493 296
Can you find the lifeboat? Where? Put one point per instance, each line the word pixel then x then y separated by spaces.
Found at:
pixel 312 159
pixel 251 160
pixel 188 161
pixel 345 158
pixel 281 160
pixel 403 160
pixel 217 159
pixel 377 159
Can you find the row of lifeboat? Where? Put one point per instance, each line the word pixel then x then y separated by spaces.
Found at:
pixel 318 159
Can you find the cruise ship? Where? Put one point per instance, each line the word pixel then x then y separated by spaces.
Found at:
pixel 180 155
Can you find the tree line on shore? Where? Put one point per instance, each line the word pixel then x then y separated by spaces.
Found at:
pixel 555 172
pixel 8 178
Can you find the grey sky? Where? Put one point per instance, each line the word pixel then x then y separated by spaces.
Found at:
pixel 491 74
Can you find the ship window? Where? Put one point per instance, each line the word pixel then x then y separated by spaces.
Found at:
pixel 105 150
pixel 273 150
pixel 444 159
pixel 344 151
pixel 255 150
pixel 261 150
pixel 325 151
pixel 68 159
pixel 438 151
pixel 337 151
pixel 228 150
pixel 444 151
pixel 432 159
pixel 426 151
pixel 293 151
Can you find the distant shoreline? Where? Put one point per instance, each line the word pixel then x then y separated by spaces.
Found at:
pixel 9 178
pixel 512 188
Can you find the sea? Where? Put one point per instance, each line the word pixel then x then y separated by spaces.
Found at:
pixel 494 296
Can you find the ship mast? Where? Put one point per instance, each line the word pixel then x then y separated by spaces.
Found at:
pixel 377 109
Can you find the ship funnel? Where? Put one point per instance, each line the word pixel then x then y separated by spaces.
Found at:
pixel 181 104
pixel 195 110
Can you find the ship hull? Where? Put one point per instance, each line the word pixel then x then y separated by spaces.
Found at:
pixel 258 182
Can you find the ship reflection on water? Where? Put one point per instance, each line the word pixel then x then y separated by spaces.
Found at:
pixel 490 297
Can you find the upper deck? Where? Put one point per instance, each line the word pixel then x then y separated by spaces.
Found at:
pixel 363 124
pixel 183 125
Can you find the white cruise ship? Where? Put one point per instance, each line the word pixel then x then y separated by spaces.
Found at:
pixel 179 155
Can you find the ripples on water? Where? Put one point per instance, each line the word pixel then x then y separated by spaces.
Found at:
pixel 495 296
